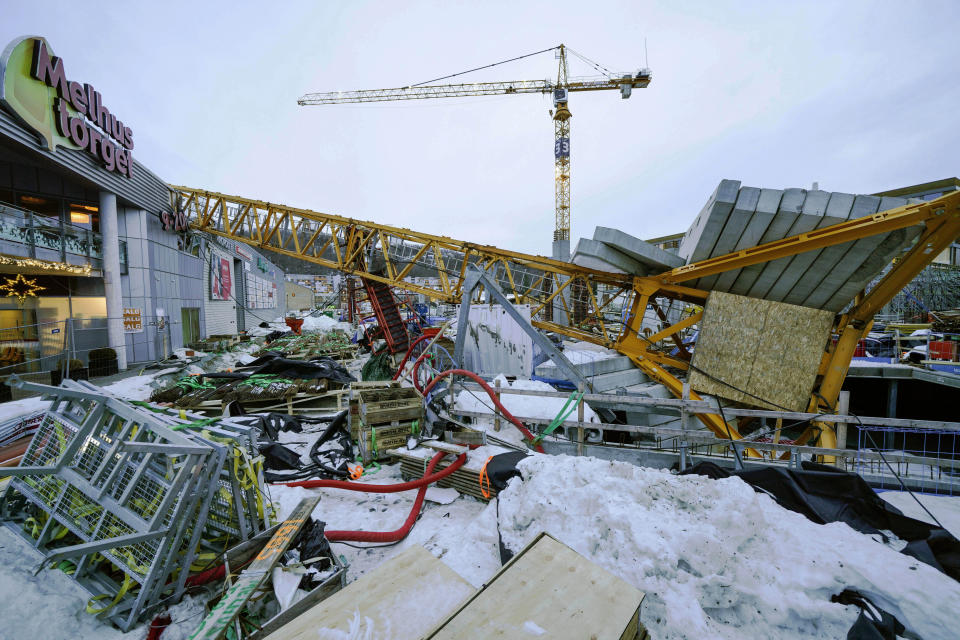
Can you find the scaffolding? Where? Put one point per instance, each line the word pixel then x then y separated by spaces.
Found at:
pixel 125 497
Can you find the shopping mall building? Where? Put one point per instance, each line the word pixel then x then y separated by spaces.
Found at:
pixel 91 251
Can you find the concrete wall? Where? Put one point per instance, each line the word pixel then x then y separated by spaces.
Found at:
pixel 298 297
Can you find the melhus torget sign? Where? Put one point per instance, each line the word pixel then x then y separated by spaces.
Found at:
pixel 63 112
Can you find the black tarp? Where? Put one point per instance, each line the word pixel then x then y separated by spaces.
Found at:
pixel 273 362
pixel 824 494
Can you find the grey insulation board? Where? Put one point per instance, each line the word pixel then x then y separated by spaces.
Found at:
pixel 737 221
pixel 839 208
pixel 702 236
pixel 889 248
pixel 656 259
pixel 787 214
pixel 801 263
pixel 766 208
pixel 590 252
pixel 852 258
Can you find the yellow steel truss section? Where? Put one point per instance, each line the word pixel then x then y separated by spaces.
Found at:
pixel 354 246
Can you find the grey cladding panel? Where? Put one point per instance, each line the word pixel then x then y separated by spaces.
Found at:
pixel 741 215
pixel 698 242
pixel 840 208
pixel 767 206
pixel 790 206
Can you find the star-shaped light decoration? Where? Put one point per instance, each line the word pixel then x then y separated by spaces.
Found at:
pixel 21 288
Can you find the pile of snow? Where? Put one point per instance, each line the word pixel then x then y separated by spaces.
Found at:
pixel 50 605
pixel 276 325
pixel 715 558
pixel 323 324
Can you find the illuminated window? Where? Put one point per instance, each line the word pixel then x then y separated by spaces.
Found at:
pixel 84 215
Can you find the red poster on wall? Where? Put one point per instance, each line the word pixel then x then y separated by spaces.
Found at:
pixel 220 279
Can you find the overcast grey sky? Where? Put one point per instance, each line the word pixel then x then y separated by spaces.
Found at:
pixel 859 96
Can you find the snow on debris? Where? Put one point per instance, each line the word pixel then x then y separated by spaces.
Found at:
pixel 521 406
pixel 582 356
pixel 946 509
pixel 715 558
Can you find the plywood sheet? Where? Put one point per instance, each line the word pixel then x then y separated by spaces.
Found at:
pixel 549 591
pixel 402 599
pixel 750 349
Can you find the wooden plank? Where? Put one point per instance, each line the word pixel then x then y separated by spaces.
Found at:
pixel 215 625
pixel 403 598
pixel 536 587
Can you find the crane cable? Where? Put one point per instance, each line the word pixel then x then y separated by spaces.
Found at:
pixel 596 65
pixel 453 75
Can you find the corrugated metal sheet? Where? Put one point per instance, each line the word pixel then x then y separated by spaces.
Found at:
pixel 143 189
pixel 496 344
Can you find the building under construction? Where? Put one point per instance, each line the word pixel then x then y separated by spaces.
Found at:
pixel 222 371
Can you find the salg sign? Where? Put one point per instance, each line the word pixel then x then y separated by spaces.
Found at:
pixel 64 112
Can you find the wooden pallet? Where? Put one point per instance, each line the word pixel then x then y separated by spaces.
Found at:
pixel 329 402
pixel 466 479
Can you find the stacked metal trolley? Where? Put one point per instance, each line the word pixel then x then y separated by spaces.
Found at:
pixel 127 498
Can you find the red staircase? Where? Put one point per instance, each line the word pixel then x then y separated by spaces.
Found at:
pixel 387 311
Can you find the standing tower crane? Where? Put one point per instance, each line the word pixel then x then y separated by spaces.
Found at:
pixel 560 90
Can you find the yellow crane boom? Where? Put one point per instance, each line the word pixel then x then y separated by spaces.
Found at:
pixel 624 82
pixel 390 255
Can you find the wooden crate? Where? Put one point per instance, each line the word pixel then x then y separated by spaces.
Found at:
pixel 384 438
pixel 544 585
pixel 379 406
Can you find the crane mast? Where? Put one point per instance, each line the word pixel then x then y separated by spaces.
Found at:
pixel 561 154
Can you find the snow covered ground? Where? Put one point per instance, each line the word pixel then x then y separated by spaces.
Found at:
pixel 715 558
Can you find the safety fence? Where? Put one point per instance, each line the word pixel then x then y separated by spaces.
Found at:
pixel 923 455
pixel 928 456
pixel 78 348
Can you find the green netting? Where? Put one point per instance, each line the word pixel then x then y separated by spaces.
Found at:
pixel 378 367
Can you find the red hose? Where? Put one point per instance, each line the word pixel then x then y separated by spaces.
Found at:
pixel 493 396
pixel 401 533
pixel 407 355
pixel 218 572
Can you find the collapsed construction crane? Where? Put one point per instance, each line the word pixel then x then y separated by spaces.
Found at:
pixel 389 255
pixel 560 90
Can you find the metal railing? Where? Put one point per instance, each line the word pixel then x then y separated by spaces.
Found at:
pixel 46 238
pixel 48 352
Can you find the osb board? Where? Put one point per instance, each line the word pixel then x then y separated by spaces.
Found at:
pixel 553 587
pixel 403 599
pixel 770 349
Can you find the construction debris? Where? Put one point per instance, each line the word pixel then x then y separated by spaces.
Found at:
pixel 129 498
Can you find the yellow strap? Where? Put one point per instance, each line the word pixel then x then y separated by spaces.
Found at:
pixel 127 583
